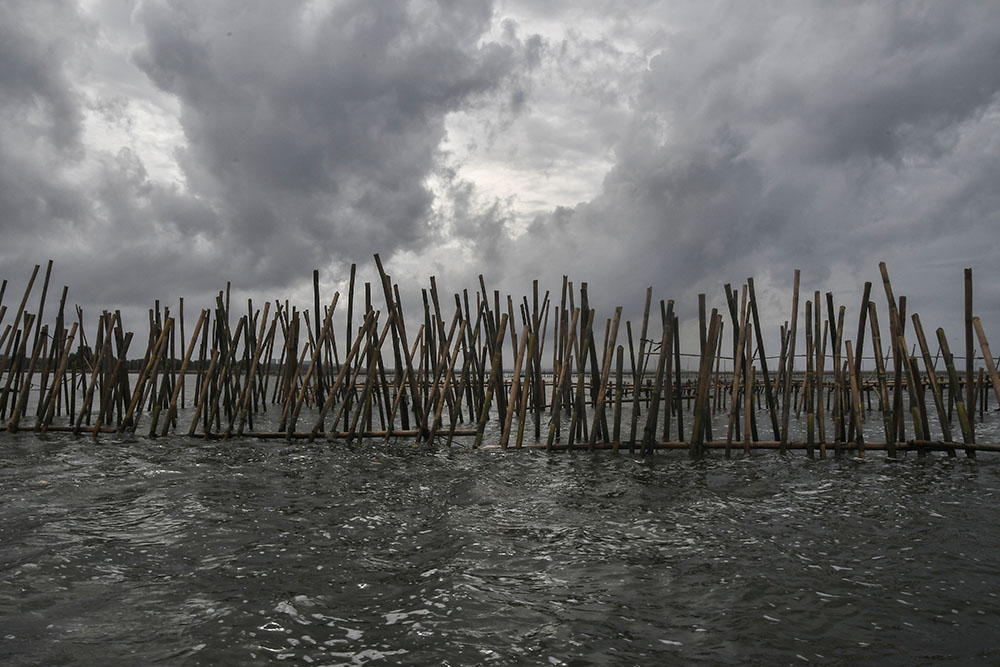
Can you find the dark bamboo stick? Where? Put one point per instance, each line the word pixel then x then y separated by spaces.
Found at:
pixel 649 433
pixel 737 374
pixel 515 385
pixel 885 408
pixel 859 438
pixel 179 385
pixel 991 368
pixel 494 381
pixel 932 379
pixel 790 365
pixel 963 418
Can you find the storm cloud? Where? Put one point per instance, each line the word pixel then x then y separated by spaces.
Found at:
pixel 159 149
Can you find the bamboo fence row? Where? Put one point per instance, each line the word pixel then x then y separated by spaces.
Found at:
pixel 321 373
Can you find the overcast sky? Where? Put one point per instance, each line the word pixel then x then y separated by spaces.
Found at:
pixel 158 149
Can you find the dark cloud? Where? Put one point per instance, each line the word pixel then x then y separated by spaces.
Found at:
pixel 41 123
pixel 767 138
pixel 735 139
pixel 308 134
pixel 315 134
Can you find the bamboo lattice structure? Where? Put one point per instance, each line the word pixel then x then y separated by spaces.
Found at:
pixel 291 375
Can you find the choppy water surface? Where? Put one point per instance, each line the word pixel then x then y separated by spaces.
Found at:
pixel 244 553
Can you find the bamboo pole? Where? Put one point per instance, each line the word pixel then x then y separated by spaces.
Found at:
pixel 638 370
pixel 88 397
pixel 605 374
pixel 737 375
pixel 991 368
pixel 515 386
pixel 449 376
pixel 809 382
pixel 208 377
pixel 131 420
pixel 494 381
pixel 859 439
pixel 619 367
pixel 111 388
pixel 178 386
pixel 565 372
pixel 704 376
pixel 370 319
pixel 932 379
pixel 790 365
pixel 963 418
pixel 365 336
pixel 970 397
pixel 315 366
pixel 668 393
pixel 885 409
pixel 22 400
pixel 768 392
pixel 649 433
pixel 522 417
pixel 50 404
pixel 6 358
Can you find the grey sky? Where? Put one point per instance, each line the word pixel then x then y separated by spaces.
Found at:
pixel 159 149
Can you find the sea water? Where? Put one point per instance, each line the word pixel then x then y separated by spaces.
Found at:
pixel 174 551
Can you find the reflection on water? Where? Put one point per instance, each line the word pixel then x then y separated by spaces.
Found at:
pixel 243 553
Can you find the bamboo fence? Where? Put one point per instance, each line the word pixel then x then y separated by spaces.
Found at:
pixel 289 374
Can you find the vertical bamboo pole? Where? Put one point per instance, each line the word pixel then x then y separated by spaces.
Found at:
pixel 494 381
pixel 602 391
pixel 523 417
pixel 130 420
pixel 970 396
pixel 668 379
pixel 734 402
pixel 515 386
pixel 579 400
pixel 790 366
pixel 807 389
pixel 860 340
pixel 178 386
pixel 448 378
pixel 701 410
pixel 649 433
pixel 637 375
pixel 859 438
pixel 208 376
pixel 678 396
pixel 566 369
pixel 50 404
pixel 365 337
pixel 768 392
pixel 110 387
pixel 619 367
pixel 315 366
pixel 342 373
pixel 890 440
pixel 820 341
pixel 898 412
pixel 88 397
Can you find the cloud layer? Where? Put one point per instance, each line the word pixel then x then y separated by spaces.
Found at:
pixel 164 150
